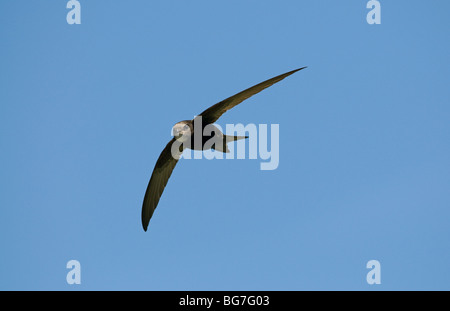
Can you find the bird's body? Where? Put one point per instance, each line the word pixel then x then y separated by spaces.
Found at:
pixel 197 134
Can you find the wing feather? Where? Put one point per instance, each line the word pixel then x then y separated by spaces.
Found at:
pixel 214 112
pixel 160 176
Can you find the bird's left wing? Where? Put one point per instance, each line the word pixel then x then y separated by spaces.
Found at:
pixel 160 176
pixel 214 112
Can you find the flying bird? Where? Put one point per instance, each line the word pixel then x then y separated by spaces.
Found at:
pixel 183 131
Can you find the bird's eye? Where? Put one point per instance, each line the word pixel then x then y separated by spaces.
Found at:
pixel 186 127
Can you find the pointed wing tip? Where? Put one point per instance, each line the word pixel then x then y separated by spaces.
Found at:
pixel 144 219
pixel 299 69
pixel 293 71
pixel 144 226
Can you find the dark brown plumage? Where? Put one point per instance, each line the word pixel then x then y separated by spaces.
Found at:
pixel 166 161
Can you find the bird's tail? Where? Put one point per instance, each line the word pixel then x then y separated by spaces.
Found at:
pixel 223 147
pixel 234 138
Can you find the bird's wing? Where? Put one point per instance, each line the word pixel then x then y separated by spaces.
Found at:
pixel 214 112
pixel 161 174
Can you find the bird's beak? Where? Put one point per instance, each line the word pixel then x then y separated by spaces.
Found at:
pixel 177 132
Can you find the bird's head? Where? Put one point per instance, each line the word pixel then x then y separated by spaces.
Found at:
pixel 183 130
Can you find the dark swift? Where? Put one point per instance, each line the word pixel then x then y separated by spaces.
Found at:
pixel 184 132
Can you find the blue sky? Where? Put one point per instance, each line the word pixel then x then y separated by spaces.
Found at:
pixel 364 169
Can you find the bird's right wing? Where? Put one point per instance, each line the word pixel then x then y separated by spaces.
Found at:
pixel 160 176
pixel 214 112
